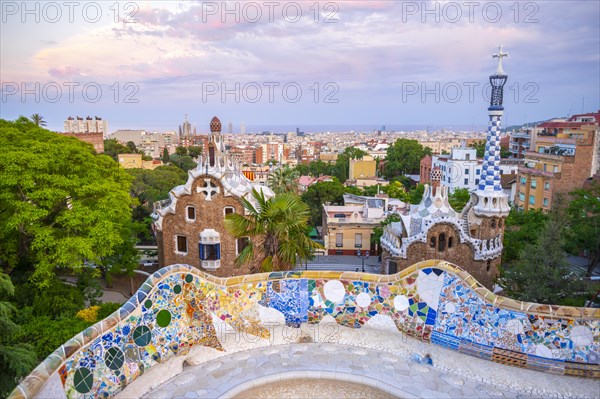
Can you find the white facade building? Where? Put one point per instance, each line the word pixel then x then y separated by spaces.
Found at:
pixel 462 169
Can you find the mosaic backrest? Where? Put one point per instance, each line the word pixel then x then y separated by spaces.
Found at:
pixel 434 301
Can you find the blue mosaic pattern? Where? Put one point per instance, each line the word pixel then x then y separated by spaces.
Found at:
pixel 490 171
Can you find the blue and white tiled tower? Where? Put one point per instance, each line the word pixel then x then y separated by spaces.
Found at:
pixel 491 200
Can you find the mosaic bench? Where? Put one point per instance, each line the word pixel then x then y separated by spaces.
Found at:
pixel 434 301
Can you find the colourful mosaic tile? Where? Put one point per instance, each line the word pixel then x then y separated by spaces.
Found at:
pixel 176 307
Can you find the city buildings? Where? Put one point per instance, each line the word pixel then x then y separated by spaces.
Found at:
pixel 562 156
pixel 462 169
pixel 89 130
pixel 190 224
pixel 87 125
pixel 127 135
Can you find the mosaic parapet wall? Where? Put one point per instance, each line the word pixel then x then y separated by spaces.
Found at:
pixel 434 301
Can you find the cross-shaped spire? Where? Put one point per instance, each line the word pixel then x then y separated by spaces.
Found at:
pixel 500 55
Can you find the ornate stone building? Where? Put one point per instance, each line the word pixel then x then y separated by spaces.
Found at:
pixel 189 225
pixel 471 238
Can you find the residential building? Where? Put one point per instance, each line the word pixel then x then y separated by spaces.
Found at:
pixel 95 139
pixel 362 168
pixel 127 135
pixel 563 156
pixel 270 153
pixel 87 125
pixel 425 169
pixel 348 228
pixel 135 161
pixel 462 169
pixel 190 224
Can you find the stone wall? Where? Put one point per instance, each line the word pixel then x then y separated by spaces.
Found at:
pixel 180 307
pixel 460 253
pixel 209 215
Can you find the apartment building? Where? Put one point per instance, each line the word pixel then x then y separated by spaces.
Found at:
pixel 563 155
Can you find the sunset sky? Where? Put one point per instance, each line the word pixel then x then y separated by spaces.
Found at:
pixel 372 57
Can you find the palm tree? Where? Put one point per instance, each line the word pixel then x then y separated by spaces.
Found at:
pixel 283 180
pixel 38 119
pixel 277 228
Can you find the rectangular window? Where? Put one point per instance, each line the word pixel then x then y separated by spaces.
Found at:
pixel 467 171
pixel 191 213
pixel 182 244
pixel 466 182
pixel 547 185
pixel 210 251
pixel 523 180
pixel 242 243
pixel 476 182
pixel 339 240
pixel 229 210
pixel 545 201
pixel 555 169
pixel 521 197
pixel 478 171
pixel 357 240
pixel 533 183
pixel 531 200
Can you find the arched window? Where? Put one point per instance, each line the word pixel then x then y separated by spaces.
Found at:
pixel 442 242
pixel 493 223
pixel 499 222
pixel 450 241
pixel 228 209
pixel 432 242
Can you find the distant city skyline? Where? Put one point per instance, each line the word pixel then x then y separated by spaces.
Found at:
pixel 354 63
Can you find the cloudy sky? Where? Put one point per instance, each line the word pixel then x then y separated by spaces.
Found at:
pixel 147 64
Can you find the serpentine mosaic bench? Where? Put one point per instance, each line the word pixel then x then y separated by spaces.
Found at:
pixel 433 301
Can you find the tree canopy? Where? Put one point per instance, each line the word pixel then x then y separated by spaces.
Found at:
pixel 583 230
pixel 279 227
pixel 404 157
pixel 61 205
pixel 318 194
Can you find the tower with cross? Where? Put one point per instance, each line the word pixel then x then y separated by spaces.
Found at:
pixel 491 200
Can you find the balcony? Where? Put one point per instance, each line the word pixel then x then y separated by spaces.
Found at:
pixel 520 135
pixel 351 220
pixel 211 264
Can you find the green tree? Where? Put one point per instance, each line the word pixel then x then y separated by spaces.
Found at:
pixel 404 157
pixel 60 204
pixel 195 151
pixel 480 148
pixel 542 273
pixel 149 186
pixel 132 147
pixel 521 229
pixel 184 162
pixel 38 120
pixel 415 195
pixel 584 225
pixel 113 148
pixel 378 231
pixel 17 359
pixel 318 194
pixel 283 180
pixel 459 198
pixel 165 156
pixel 279 227
pixel 181 151
pixel 396 190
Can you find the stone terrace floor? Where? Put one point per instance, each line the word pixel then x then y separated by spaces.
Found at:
pixel 243 371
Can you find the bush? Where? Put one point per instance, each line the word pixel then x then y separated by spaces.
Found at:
pixel 106 309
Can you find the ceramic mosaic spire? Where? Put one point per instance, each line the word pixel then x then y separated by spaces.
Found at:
pixel 490 173
pixel 492 200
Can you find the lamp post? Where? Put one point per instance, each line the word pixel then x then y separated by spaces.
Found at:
pixel 362 258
